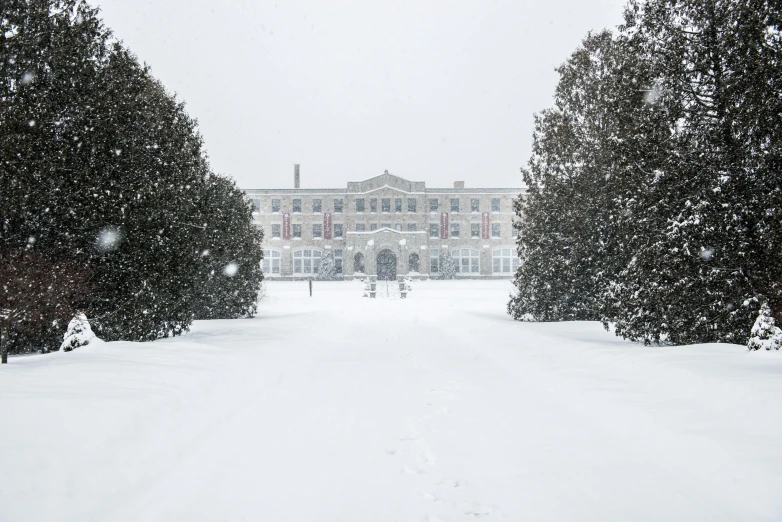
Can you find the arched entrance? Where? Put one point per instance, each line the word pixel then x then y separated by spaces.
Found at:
pixel 358 263
pixel 386 265
pixel 413 263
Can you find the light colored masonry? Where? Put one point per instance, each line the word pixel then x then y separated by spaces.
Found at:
pixel 386 226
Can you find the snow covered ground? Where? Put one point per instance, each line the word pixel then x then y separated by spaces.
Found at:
pixel 438 407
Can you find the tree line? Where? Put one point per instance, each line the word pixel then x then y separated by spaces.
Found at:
pixel 654 197
pixel 108 203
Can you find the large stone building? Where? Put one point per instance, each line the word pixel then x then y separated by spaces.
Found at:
pixel 386 226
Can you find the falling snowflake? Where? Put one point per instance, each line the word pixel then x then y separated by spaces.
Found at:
pixel 27 78
pixel 654 93
pixel 108 239
pixel 706 253
pixel 230 269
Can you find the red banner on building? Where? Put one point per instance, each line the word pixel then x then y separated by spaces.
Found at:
pixel 444 225
pixel 286 226
pixel 327 225
pixel 485 226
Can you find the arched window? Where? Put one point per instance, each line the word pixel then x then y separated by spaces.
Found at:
pixel 468 260
pixel 306 261
pixel 413 263
pixel 504 261
pixel 358 263
pixel 271 263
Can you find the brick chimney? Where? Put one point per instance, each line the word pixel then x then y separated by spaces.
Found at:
pixel 296 177
pixel 458 184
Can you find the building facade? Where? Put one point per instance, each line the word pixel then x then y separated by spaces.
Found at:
pixel 386 226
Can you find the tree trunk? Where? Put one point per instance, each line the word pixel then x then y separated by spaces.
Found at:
pixel 3 345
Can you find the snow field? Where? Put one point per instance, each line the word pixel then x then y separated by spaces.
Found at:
pixel 436 407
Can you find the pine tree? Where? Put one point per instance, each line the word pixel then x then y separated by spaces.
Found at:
pixel 764 334
pixel 230 241
pixel 79 334
pixel 327 270
pixel 698 275
pixel 589 152
pixel 106 172
pixel 448 266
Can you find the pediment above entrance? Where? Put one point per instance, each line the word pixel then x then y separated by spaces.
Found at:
pixel 385 180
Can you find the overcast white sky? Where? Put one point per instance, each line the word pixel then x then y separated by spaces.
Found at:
pixel 435 91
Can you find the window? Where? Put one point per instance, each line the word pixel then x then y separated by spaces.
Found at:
pixel 373 205
pixel 317 231
pixel 275 205
pixel 468 260
pixel 271 262
pixel 338 206
pixel 433 205
pixel 337 230
pixel 411 205
pixel 256 205
pixel 386 202
pixel 306 261
pixel 475 205
pixel 297 205
pixel 454 229
pixel 373 226
pixel 398 227
pixel 317 205
pixel 385 225
pixel 413 263
pixel 398 205
pixel 475 230
pixel 358 263
pixel 434 230
pixel 360 205
pixel 276 230
pixel 455 205
pixel 504 261
pixel 434 260
pixel 411 227
pixel 495 204
pixel 338 260
pixel 360 227
pixel 297 231
pixel 495 230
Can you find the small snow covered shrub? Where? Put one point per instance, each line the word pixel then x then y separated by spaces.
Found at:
pixel 79 334
pixel 764 333
pixel 448 266
pixel 327 271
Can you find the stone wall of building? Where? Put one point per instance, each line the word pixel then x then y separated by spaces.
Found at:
pixel 389 215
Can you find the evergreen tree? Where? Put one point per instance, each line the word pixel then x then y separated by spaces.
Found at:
pixel 79 334
pixel 589 154
pixel 715 251
pixel 327 270
pixel 681 115
pixel 448 266
pixel 764 334
pixel 105 171
pixel 231 253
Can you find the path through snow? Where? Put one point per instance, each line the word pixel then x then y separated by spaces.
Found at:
pixel 436 407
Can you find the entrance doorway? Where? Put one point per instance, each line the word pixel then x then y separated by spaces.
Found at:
pixel 386 265
pixel 413 263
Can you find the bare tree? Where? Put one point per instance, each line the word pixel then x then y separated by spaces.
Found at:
pixel 39 294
